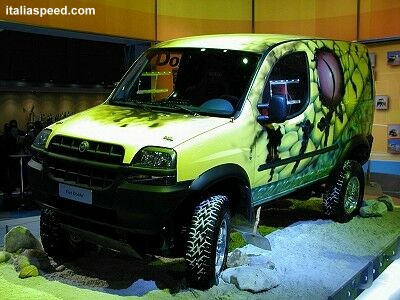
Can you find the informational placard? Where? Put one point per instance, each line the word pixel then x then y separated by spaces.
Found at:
pixel 381 102
pixel 75 193
pixel 394 138
pixel 393 58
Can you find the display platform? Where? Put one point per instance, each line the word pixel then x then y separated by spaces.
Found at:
pixel 314 258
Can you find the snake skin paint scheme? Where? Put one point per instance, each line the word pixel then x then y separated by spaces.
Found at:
pixel 201 129
pixel 332 126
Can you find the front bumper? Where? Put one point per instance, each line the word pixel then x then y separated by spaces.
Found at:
pixel 123 206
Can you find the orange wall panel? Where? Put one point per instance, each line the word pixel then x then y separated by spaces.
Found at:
pixel 137 19
pixel 308 17
pixel 206 9
pixel 176 18
pixel 341 28
pixel 289 10
pixel 180 27
pixel 336 19
pixel 289 17
pixel 303 27
pixel 192 17
pixel 120 17
pixel 379 18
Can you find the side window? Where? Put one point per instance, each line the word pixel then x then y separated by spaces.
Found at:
pixel 289 78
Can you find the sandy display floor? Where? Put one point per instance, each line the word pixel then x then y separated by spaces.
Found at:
pixel 313 258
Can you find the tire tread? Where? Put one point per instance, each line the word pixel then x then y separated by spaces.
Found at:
pixel 199 256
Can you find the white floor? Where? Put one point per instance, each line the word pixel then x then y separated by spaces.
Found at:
pixel 386 286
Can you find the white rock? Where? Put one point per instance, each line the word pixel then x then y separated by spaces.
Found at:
pixel 373 208
pixel 262 261
pixel 253 279
pixel 237 258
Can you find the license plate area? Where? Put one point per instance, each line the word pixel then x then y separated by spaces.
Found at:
pixel 75 193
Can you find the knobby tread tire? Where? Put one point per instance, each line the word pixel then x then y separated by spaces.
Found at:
pixel 50 232
pixel 333 200
pixel 54 239
pixel 201 243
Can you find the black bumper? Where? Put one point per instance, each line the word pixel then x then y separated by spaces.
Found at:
pixel 134 208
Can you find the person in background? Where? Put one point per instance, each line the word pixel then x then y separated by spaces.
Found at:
pixel 4 140
pixel 14 123
pixel 16 141
pixel 6 143
pixel 33 129
pixel 15 146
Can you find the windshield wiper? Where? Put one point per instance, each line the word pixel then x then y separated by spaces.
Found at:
pixel 131 102
pixel 181 107
pixel 142 105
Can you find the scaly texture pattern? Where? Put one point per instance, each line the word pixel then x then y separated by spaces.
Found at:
pixel 352 116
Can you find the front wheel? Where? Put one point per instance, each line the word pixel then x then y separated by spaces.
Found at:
pixel 344 196
pixel 56 242
pixel 207 244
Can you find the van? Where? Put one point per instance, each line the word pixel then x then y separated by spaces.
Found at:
pixel 203 131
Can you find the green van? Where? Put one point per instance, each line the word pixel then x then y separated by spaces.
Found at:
pixel 202 130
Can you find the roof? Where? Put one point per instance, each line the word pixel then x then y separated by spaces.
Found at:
pixel 256 43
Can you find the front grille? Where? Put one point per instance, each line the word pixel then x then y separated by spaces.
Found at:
pixel 96 151
pixel 81 175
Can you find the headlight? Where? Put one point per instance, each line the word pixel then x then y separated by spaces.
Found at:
pixel 155 157
pixel 153 166
pixel 41 138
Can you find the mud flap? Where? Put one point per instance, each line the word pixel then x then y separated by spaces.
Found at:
pixel 249 231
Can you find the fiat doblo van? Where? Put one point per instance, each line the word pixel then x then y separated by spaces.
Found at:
pixel 202 130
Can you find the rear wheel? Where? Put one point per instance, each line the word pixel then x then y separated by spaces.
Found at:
pixel 344 196
pixel 207 244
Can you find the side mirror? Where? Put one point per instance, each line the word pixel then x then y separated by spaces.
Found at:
pixel 275 111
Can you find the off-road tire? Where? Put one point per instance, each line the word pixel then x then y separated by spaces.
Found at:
pixel 55 240
pixel 334 200
pixel 201 246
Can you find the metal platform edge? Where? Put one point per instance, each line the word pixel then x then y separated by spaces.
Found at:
pixel 364 278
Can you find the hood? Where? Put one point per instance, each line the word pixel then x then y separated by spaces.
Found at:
pixel 135 128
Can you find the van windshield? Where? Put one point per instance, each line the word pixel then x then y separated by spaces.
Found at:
pixel 191 80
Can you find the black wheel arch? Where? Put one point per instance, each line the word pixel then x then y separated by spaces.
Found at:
pixel 358 148
pixel 230 180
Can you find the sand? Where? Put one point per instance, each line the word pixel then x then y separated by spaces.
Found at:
pixel 314 257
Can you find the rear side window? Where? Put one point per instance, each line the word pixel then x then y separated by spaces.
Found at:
pixel 289 77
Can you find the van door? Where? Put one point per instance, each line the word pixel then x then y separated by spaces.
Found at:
pixel 285 150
